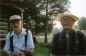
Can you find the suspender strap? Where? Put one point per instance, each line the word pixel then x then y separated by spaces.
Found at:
pixel 11 43
pixel 76 39
pixel 76 42
pixel 26 38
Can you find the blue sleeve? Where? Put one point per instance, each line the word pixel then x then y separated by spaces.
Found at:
pixel 7 43
pixel 30 43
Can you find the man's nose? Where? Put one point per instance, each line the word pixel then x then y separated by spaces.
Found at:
pixel 66 21
pixel 15 24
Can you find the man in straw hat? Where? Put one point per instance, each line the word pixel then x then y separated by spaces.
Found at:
pixel 68 42
pixel 19 42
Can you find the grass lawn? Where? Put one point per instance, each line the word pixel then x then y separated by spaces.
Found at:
pixel 40 50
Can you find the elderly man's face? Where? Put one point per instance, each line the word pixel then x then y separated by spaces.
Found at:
pixel 16 24
pixel 67 22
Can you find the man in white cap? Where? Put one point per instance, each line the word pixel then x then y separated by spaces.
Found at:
pixel 20 40
pixel 68 42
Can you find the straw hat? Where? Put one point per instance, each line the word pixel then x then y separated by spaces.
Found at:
pixel 69 14
pixel 15 17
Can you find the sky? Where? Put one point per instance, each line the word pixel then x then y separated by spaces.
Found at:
pixel 77 7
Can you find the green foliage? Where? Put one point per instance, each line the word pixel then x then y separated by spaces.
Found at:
pixel 54 6
pixel 76 28
pixel 55 30
pixel 82 23
pixel 40 51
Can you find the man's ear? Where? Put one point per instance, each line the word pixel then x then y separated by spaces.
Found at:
pixel 21 22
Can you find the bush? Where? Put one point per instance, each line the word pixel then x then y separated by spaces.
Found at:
pixel 40 51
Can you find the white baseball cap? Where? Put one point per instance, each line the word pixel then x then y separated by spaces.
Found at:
pixel 15 17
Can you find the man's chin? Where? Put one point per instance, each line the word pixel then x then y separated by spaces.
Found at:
pixel 67 28
pixel 16 29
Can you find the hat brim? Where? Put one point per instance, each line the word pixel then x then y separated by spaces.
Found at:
pixel 60 17
pixel 14 17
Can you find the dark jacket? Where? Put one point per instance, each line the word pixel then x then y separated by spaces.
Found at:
pixel 76 46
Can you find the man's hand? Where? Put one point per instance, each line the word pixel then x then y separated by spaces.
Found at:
pixel 7 53
pixel 28 52
pixel 18 53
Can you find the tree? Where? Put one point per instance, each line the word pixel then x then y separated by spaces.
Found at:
pixel 82 23
pixel 54 6
pixel 55 30
pixel 76 28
